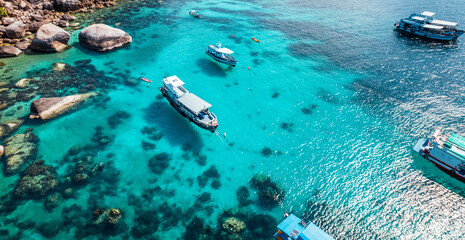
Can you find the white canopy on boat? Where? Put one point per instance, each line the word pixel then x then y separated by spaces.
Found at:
pixel 224 50
pixel 194 103
pixel 445 23
pixel 418 18
pixel 428 14
pixel 433 26
pixel 175 85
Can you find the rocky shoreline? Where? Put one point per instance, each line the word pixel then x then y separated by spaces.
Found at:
pixel 22 22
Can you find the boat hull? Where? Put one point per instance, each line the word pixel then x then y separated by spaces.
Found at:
pixel 185 113
pixel 431 36
pixel 438 161
pixel 221 60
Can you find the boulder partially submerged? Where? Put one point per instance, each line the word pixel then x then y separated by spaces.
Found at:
pixel 50 38
pixel 47 108
pixel 9 51
pixel 101 37
pixel 18 149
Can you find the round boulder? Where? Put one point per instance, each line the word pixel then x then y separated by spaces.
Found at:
pixel 101 37
pixel 50 38
pixel 16 30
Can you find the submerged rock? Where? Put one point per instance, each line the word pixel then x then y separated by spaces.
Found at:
pixel 18 149
pixel 10 127
pixel 159 162
pixel 111 216
pixel 234 225
pixel 146 223
pixel 50 38
pixel 101 37
pixel 269 193
pixel 47 108
pixel 37 181
pixel 9 51
pixel 22 83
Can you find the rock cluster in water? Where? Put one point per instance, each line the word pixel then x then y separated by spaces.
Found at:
pixel 20 19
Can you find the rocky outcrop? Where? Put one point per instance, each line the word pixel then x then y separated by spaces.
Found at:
pixel 37 181
pixel 111 216
pixel 10 127
pixel 50 38
pixel 19 149
pixel 101 37
pixel 47 108
pixel 9 51
pixel 16 30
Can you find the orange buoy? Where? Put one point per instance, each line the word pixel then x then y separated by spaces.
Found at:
pixel 146 80
pixel 256 40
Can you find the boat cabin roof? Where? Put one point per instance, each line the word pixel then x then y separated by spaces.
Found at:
pixel 292 226
pixel 175 84
pixel 445 23
pixel 194 103
pixel 418 18
pixel 428 14
pixel 436 27
pixel 221 50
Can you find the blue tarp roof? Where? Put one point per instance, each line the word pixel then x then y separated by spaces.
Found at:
pixel 292 226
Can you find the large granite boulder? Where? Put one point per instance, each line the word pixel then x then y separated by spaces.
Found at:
pixel 101 37
pixel 16 30
pixel 50 38
pixel 47 108
pixel 37 181
pixel 18 149
pixel 68 5
pixel 9 51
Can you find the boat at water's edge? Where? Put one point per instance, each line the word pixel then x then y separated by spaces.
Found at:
pixel 188 104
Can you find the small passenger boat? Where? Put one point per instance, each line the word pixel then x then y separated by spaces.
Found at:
pixel 188 104
pixel 447 153
pixel 194 14
pixel 221 54
pixel 424 25
pixel 293 228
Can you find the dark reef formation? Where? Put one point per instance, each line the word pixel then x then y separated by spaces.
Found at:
pixel 159 162
pixel 269 193
pixel 37 181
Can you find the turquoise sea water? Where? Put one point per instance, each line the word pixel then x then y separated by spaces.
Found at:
pixel 336 95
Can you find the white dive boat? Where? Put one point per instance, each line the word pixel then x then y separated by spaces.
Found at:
pixel 221 54
pixel 425 25
pixel 447 153
pixel 188 104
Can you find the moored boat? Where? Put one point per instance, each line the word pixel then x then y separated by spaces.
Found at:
pixel 293 228
pixel 425 25
pixel 188 104
pixel 447 153
pixel 194 13
pixel 221 54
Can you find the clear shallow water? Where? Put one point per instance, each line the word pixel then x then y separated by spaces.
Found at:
pixel 347 166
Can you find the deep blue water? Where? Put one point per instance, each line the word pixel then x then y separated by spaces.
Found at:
pixel 336 95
